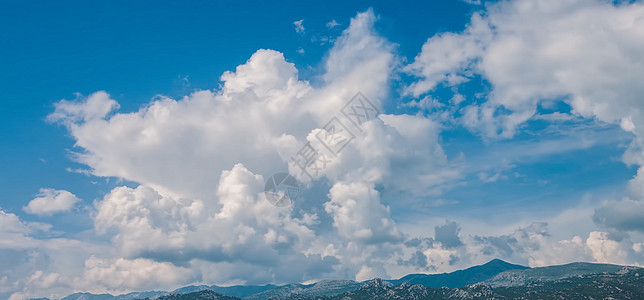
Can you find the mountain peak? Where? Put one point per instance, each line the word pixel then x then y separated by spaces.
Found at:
pixel 499 262
pixel 461 278
pixel 378 283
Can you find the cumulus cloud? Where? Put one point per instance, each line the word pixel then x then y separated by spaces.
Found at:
pixel 588 66
pixel 604 249
pixel 149 146
pixel 358 214
pixel 96 106
pixel 14 232
pixel 35 266
pixel 201 162
pixel 124 274
pixel 521 241
pixel 531 245
pixel 51 201
pixel 533 53
pixel 625 215
pixel 240 226
pixel 448 57
pixel 447 235
pixel 259 118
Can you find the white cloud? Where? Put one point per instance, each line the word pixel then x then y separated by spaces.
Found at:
pixel 96 106
pixel 532 245
pixel 260 107
pixel 299 27
pixel 584 53
pixel 149 146
pixel 604 249
pixel 34 266
pixel 265 75
pixel 358 214
pixel 332 24
pixel 531 51
pixel 14 233
pixel 122 275
pixel 51 201
pixel 238 226
pixel 448 57
pixel 624 215
pixel 200 162
pixel 366 273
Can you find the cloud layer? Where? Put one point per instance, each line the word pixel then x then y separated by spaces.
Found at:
pixel 195 212
pixel 534 54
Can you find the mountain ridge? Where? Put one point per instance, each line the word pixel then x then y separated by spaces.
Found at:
pixel 626 283
pixel 494 274
pixel 460 278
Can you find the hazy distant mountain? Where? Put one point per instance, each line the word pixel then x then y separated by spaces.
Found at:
pixel 584 283
pixel 204 294
pixel 460 278
pixel 522 277
pixel 494 280
pixel 625 283
pixel 130 296
pixel 322 288
pixel 378 289
pixel 242 291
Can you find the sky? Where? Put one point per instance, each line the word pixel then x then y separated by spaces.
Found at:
pixel 137 139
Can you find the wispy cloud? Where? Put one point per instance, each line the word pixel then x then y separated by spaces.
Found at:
pixel 299 27
pixel 332 24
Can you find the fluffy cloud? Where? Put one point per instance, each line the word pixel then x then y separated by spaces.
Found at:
pixel 604 249
pixel 240 226
pixel 259 118
pixel 533 245
pixel 448 57
pixel 535 53
pixel 96 106
pixel 201 163
pixel 51 201
pixel 149 146
pixel 197 213
pixel 14 232
pixel 624 214
pixel 32 265
pixel 125 275
pixel 358 214
pixel 447 235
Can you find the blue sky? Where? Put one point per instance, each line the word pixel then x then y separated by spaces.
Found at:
pixel 138 50
pixel 139 135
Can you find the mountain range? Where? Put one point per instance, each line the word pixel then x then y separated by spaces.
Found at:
pixel 496 279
